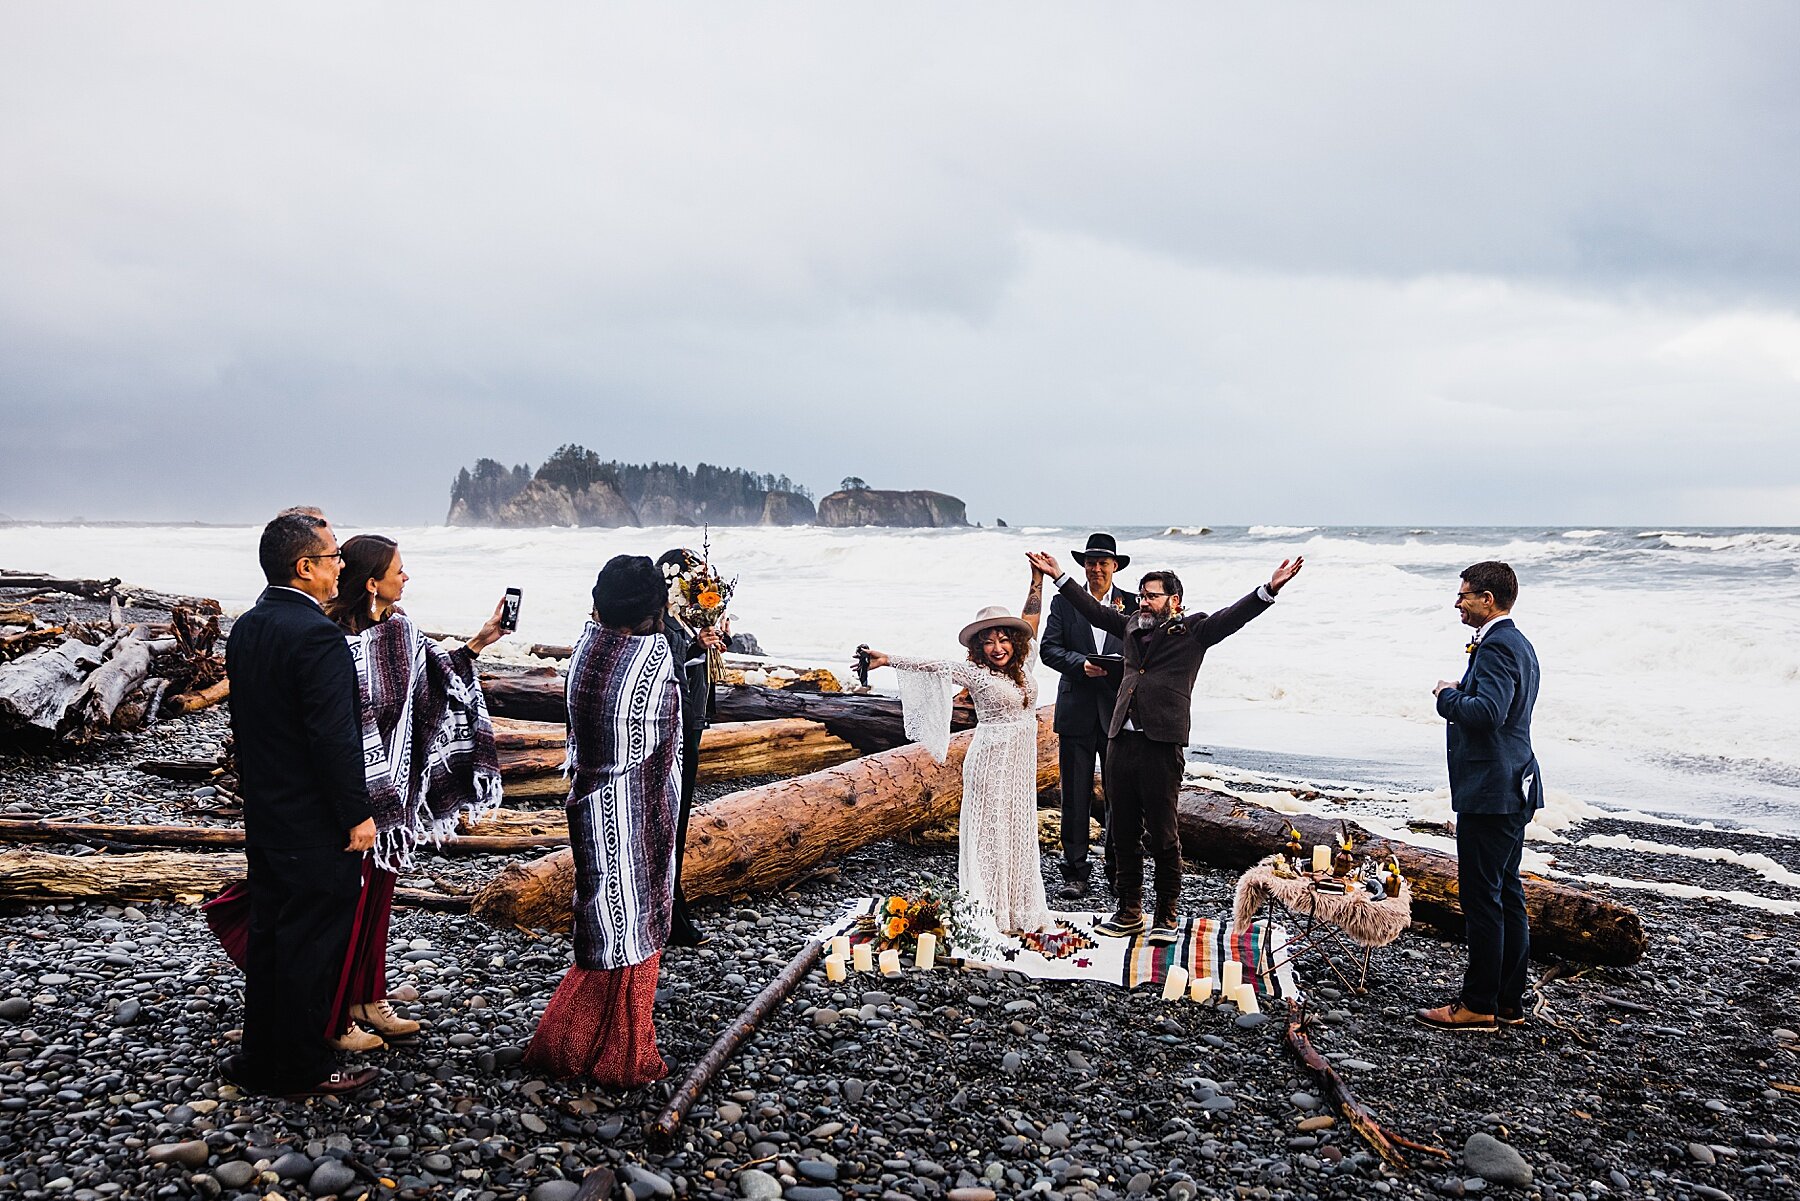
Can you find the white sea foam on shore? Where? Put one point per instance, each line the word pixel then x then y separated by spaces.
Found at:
pixel 1671 677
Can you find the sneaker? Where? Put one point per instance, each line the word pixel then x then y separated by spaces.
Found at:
pixel 1121 924
pixel 1455 1016
pixel 380 1017
pixel 356 1039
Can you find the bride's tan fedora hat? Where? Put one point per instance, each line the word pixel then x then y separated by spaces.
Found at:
pixel 988 618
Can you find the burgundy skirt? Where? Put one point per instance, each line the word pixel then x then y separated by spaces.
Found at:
pixel 598 1026
pixel 364 976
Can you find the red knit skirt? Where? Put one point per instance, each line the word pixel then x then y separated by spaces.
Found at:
pixel 598 1025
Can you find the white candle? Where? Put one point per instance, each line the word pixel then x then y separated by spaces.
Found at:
pixel 834 968
pixel 1200 989
pixel 890 962
pixel 1321 859
pixel 860 956
pixel 1175 983
pixel 926 955
pixel 1231 975
pixel 840 946
pixel 1246 998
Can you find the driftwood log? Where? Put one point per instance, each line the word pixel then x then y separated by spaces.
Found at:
pixel 709 1065
pixel 193 702
pixel 531 753
pixel 1384 1143
pixel 1566 922
pixel 101 590
pixel 763 839
pixel 73 690
pixel 186 876
pixel 869 723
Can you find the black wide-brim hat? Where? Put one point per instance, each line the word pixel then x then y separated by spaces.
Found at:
pixel 1101 544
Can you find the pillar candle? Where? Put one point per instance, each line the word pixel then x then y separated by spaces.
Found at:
pixel 1246 998
pixel 926 955
pixel 1321 859
pixel 1231 974
pixel 1200 989
pixel 860 956
pixel 834 968
pixel 890 962
pixel 1175 983
pixel 840 946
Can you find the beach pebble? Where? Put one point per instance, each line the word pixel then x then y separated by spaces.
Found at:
pixel 754 1184
pixel 191 1154
pixel 646 1183
pixel 1489 1158
pixel 235 1173
pixel 1701 1153
pixel 556 1190
pixel 128 1012
pixel 14 1009
pixel 292 1166
pixel 330 1177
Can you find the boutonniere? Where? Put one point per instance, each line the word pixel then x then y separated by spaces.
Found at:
pixel 1177 627
pixel 1118 603
pixel 1472 645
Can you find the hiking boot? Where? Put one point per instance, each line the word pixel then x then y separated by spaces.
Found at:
pixel 1167 928
pixel 1074 889
pixel 380 1017
pixel 1127 921
pixel 356 1039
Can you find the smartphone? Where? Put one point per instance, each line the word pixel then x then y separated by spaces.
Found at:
pixel 509 609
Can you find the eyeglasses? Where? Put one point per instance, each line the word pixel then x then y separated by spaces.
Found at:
pixel 1153 595
pixel 336 554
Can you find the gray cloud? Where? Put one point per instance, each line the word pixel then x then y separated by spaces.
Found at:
pixel 1417 263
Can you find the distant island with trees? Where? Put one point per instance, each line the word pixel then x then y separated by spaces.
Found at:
pixel 574 487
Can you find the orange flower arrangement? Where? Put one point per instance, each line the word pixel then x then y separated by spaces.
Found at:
pixel 934 907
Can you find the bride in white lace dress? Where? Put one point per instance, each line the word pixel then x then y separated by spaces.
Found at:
pixel 997 858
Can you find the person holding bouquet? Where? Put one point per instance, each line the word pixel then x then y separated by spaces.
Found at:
pixel 694 598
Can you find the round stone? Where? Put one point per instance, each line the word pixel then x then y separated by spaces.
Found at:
pixel 556 1190
pixel 754 1184
pixel 235 1173
pixel 14 1008
pixel 190 1154
pixel 332 1176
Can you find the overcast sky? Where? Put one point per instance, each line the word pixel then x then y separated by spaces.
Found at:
pixel 1131 264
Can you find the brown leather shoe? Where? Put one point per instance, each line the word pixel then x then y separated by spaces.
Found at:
pixel 338 1084
pixel 1456 1016
pixel 1510 1015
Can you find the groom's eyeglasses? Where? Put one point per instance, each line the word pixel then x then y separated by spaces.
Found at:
pixel 336 554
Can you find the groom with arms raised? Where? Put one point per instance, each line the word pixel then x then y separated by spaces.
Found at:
pixel 1151 719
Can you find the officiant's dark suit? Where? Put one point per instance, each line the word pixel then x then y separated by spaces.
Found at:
pixel 1148 732
pixel 1495 788
pixel 298 742
pixel 693 680
pixel 1084 708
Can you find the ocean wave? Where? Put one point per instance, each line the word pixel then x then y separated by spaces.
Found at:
pixel 1186 531
pixel 1586 533
pixel 1280 531
pixel 1756 541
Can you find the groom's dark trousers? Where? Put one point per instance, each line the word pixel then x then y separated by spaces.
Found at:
pixel 298 741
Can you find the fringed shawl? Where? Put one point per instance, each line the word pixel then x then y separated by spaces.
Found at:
pixel 624 768
pixel 428 746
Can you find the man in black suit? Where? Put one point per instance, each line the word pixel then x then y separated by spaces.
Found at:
pixel 1085 697
pixel 1495 788
pixel 1151 719
pixel 298 738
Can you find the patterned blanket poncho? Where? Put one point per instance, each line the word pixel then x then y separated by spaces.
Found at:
pixel 428 745
pixel 624 768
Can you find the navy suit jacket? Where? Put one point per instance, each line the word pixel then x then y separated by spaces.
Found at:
pixel 1084 703
pixel 295 725
pixel 1492 766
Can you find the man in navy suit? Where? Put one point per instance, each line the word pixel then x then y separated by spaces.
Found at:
pixel 307 820
pixel 1084 701
pixel 1495 788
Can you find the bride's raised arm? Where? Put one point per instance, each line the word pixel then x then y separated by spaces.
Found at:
pixel 1034 600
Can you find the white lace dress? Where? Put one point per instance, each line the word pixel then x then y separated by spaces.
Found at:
pixel 997 856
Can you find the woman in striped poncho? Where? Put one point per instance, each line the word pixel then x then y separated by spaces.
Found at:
pixel 624 767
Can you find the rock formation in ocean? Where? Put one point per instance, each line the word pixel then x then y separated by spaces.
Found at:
pixel 871 506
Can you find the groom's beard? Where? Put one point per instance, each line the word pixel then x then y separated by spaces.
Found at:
pixel 1141 620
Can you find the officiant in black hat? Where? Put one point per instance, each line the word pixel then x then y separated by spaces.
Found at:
pixel 1085 697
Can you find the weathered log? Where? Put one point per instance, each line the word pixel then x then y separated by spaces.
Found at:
pixel 869 723
pixel 16 644
pixel 91 707
pixel 709 1065
pixel 531 753
pixel 128 594
pixel 138 835
pixel 188 770
pixel 35 689
pixel 193 702
pixel 1566 922
pixel 762 839
pixel 185 876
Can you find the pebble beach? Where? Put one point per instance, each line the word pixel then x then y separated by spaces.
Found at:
pixel 1678 1077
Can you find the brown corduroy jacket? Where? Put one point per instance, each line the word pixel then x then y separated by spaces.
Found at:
pixel 1157 690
